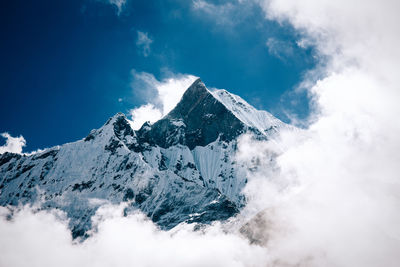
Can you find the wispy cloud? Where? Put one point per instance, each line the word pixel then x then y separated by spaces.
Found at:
pixel 143 42
pixel 279 48
pixel 221 13
pixel 224 14
pixel 13 144
pixel 119 4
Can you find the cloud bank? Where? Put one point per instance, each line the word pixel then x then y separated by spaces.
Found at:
pixel 119 241
pixel 13 144
pixel 331 197
pixel 161 96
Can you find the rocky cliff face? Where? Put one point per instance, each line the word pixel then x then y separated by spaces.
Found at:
pixel 180 169
pixel 197 120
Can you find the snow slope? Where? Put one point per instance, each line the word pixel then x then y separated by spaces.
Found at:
pixel 180 169
pixel 250 116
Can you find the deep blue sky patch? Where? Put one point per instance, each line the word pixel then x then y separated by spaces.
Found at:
pixel 65 64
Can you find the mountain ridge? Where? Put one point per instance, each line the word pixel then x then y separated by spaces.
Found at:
pixel 180 169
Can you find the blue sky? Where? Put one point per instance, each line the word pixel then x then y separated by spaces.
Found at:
pixel 66 66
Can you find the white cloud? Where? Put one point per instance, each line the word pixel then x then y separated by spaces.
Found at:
pixel 42 239
pixel 220 12
pixel 279 48
pixel 144 113
pixel 353 29
pixel 13 144
pixel 119 4
pixel 227 13
pixel 333 196
pixel 143 42
pixel 161 96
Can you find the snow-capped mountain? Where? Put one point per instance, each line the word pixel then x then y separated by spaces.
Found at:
pixel 180 169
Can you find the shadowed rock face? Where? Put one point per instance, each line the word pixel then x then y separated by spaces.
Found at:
pixel 197 120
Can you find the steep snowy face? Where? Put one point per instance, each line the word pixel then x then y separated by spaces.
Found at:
pixel 166 184
pixel 259 120
pixel 180 169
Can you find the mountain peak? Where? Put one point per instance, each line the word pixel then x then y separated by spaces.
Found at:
pixel 202 116
pixel 197 84
pixel 197 120
pixel 117 117
pixel 117 125
pixel 193 95
pixel 259 120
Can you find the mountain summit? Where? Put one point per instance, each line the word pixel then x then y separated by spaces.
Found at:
pixel 179 169
pixel 202 116
pixel 197 120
